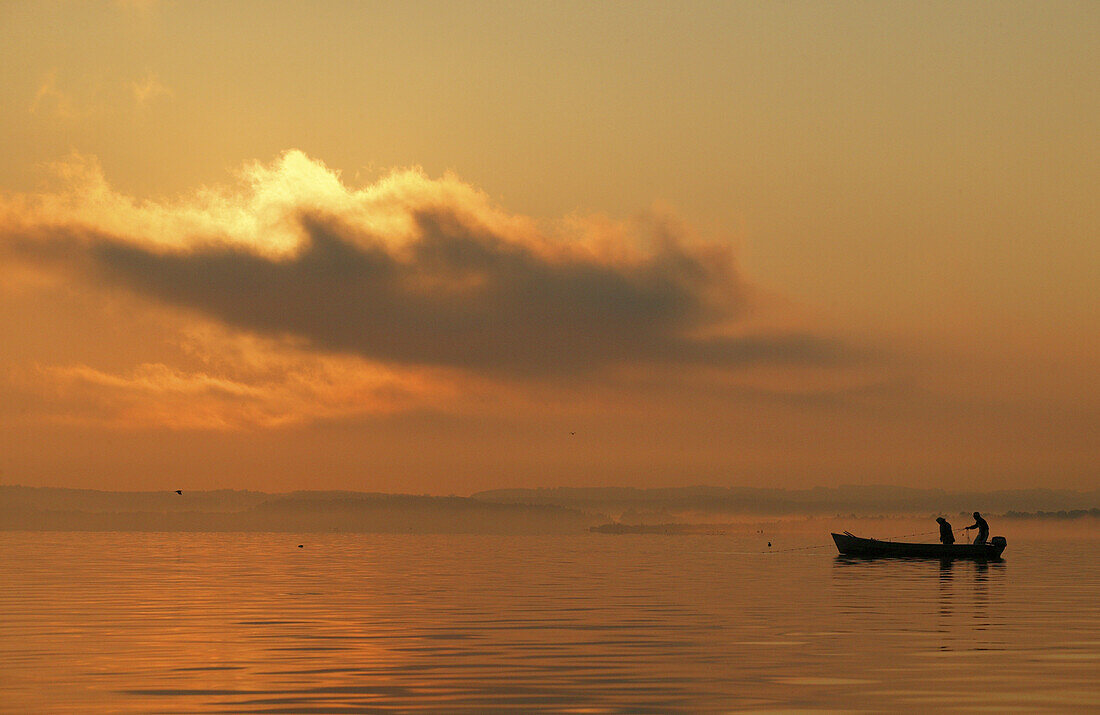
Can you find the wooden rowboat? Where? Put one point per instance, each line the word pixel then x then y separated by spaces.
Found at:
pixel 851 545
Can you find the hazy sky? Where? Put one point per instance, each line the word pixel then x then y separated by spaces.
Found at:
pixel 441 247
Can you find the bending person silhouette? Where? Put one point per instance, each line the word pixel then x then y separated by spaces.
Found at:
pixel 947 535
pixel 981 526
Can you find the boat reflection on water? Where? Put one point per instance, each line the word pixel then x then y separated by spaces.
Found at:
pixel 946 566
pixel 959 595
pixel 947 588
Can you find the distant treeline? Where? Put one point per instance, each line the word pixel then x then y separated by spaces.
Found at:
pixel 619 528
pixel 658 505
pixel 511 511
pixel 1061 514
pixel 23 508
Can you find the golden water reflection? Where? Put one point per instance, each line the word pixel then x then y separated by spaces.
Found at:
pixel 591 623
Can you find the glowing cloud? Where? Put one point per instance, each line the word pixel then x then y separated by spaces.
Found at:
pixel 410 271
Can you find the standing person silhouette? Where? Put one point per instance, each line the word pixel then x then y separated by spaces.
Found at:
pixel 982 527
pixel 946 534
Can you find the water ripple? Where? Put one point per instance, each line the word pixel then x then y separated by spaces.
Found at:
pixel 244 623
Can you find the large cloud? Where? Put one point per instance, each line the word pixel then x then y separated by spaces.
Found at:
pixel 416 271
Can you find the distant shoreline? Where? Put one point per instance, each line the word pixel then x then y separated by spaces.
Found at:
pixel 687 510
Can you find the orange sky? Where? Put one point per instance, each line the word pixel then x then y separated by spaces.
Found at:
pixel 436 248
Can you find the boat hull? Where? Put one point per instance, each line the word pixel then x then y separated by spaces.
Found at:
pixel 855 546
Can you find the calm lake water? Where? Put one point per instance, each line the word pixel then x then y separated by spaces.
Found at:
pixel 249 623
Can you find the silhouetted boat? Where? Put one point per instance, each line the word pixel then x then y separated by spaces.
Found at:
pixel 851 545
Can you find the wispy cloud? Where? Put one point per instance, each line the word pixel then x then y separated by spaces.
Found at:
pixel 148 89
pixel 139 5
pixel 242 382
pixel 49 98
pixel 78 100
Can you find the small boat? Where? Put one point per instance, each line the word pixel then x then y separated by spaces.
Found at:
pixel 851 545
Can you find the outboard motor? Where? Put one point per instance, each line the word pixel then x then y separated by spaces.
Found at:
pixel 999 541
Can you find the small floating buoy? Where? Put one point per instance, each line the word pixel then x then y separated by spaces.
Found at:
pixel 300 545
pixel 179 491
pixel 769 544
